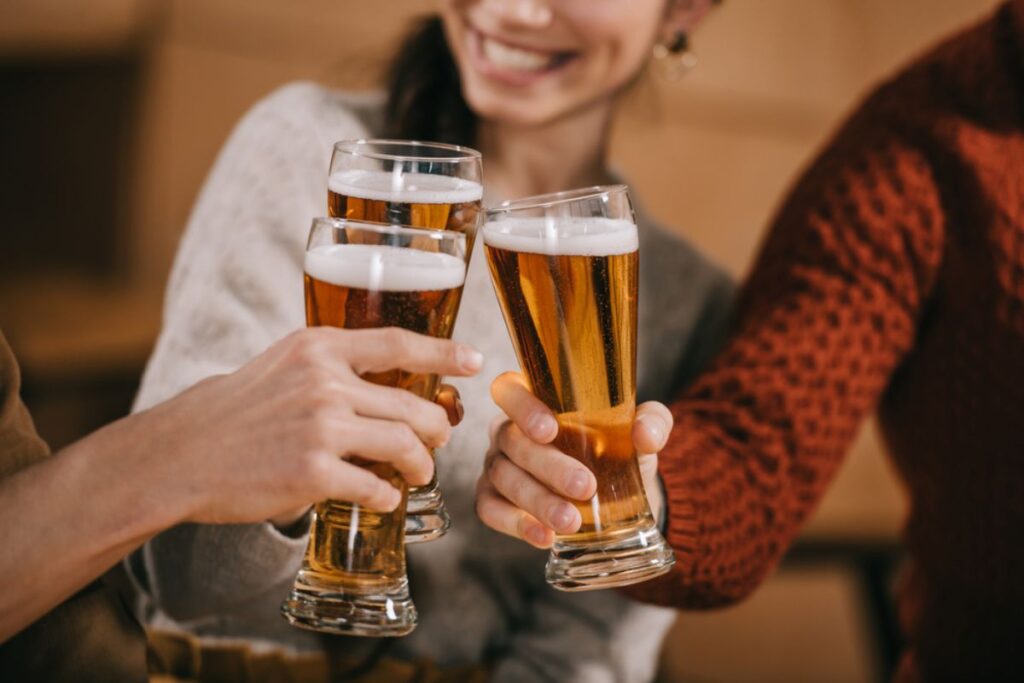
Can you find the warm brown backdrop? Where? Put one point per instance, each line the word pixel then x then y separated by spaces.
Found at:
pixel 121 106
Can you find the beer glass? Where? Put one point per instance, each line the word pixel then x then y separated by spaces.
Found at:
pixel 564 267
pixel 421 185
pixel 361 275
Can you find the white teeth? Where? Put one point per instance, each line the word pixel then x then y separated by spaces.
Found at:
pixel 508 57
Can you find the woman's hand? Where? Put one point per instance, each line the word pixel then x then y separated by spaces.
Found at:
pixel 527 486
pixel 273 437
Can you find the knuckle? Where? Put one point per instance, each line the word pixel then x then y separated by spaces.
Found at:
pixel 382 494
pixel 307 346
pixel 305 468
pixel 496 426
pixel 485 510
pixel 405 438
pixel 397 341
pixel 495 468
pixel 520 525
pixel 521 491
pixel 319 430
pixel 510 441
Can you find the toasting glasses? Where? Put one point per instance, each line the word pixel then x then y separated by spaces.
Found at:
pixel 425 185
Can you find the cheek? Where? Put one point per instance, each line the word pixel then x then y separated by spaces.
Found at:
pixel 621 44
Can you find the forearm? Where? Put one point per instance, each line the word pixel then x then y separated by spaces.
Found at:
pixel 66 521
pixel 827 316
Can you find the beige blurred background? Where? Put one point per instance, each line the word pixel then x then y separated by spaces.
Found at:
pixel 112 112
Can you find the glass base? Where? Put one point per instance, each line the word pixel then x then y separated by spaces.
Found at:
pixel 376 611
pixel 619 560
pixel 426 518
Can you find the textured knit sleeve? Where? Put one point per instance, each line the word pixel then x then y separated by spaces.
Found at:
pixel 236 287
pixel 828 312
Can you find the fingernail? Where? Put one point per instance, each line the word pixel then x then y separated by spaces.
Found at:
pixel 562 516
pixel 579 485
pixel 654 428
pixel 469 358
pixel 541 425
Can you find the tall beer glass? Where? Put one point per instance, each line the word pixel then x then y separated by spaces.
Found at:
pixel 564 267
pixel 421 185
pixel 362 275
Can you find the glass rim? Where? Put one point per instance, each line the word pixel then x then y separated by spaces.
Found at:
pixel 380 228
pixel 458 152
pixel 543 201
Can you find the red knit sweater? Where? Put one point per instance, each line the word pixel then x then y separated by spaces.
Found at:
pixel 891 279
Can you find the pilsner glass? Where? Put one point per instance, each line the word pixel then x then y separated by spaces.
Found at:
pixel 421 185
pixel 564 267
pixel 363 275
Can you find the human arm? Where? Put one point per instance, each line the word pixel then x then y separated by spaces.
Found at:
pixel 830 310
pixel 242 447
pixel 235 288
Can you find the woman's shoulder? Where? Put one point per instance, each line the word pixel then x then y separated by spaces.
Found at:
pixel 315 108
pixel 666 251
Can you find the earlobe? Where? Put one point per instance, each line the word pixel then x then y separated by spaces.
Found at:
pixel 675 59
pixel 673 54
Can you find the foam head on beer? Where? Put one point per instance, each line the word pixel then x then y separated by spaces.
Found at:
pixel 406 187
pixel 563 236
pixel 384 268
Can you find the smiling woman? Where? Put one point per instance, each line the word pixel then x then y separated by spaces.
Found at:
pixel 532 84
pixel 530 66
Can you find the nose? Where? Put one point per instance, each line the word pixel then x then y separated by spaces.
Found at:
pixel 533 13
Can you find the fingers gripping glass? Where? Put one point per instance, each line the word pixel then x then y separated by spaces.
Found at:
pixel 361 275
pixel 421 185
pixel 564 267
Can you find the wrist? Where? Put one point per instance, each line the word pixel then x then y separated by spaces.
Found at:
pixel 125 468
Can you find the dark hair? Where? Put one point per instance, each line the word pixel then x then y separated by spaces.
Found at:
pixel 424 92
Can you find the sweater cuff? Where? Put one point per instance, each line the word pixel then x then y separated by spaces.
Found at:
pixel 680 526
pixel 265 548
pixel 299 529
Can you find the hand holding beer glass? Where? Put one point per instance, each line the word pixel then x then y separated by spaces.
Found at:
pixel 425 185
pixel 565 269
pixel 363 275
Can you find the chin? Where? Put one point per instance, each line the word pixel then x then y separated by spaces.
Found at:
pixel 518 112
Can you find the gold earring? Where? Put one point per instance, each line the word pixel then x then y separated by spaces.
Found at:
pixel 675 59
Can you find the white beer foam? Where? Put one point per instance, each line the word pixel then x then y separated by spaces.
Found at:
pixel 563 236
pixel 384 268
pixel 421 188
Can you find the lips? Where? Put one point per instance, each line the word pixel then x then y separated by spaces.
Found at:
pixel 514 64
pixel 507 57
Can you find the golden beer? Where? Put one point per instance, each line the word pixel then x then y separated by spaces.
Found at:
pixel 428 185
pixel 418 200
pixel 567 286
pixel 353 579
pixel 573 326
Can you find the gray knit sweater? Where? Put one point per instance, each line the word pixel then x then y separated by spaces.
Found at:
pixel 236 287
